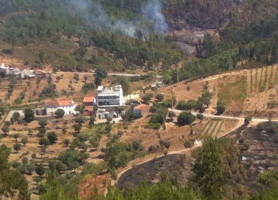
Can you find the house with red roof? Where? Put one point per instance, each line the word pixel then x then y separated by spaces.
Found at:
pixel 67 105
pixel 141 110
pixel 88 103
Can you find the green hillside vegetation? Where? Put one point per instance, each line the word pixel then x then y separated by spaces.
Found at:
pixel 30 23
pixel 256 43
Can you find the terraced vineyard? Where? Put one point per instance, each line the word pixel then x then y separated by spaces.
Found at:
pixel 261 79
pixel 212 128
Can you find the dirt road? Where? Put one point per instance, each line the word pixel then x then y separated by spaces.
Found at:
pixel 207 115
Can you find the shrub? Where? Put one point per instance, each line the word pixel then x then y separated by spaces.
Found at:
pixel 157 118
pixel 159 97
pixel 15 164
pixel 39 170
pixel 147 97
pixel 42 122
pixel 24 140
pixel 87 86
pixel 188 144
pixel 200 117
pixel 271 104
pixel 66 142
pixel 72 158
pixel 155 126
pixel 220 107
pixel 79 120
pixel 247 120
pixel 17 147
pixel 30 168
pixel 24 160
pixel 44 141
pixel 182 105
pixel 49 92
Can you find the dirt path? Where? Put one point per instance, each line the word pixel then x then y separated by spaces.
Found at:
pixel 130 75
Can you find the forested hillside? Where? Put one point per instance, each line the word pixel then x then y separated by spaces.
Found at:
pixel 145 24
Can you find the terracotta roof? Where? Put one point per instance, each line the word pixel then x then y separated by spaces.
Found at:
pixel 59 103
pixel 65 102
pixel 88 99
pixel 52 104
pixel 141 107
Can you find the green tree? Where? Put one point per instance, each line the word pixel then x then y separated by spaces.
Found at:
pixel 217 168
pixel 43 122
pixel 6 129
pixel 60 113
pixel 159 97
pixel 100 74
pixel 16 136
pixel 79 120
pixel 186 118
pixel 12 183
pixel 15 117
pixel 66 142
pixel 24 160
pixel 92 120
pixel 44 141
pixel 220 107
pixel 24 140
pixel 209 45
pixel 200 117
pixel 29 115
pixel 17 147
pixel 39 170
pixel 77 127
pixel 52 137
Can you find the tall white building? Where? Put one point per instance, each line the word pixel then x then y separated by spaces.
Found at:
pixel 110 96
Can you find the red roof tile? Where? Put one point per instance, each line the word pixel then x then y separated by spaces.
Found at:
pixel 65 102
pixel 141 107
pixel 88 99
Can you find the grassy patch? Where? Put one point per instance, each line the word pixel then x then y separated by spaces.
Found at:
pixel 233 91
pixel 30 52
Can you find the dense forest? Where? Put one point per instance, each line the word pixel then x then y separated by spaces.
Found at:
pixel 131 37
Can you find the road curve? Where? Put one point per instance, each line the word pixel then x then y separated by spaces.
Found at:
pixel 186 150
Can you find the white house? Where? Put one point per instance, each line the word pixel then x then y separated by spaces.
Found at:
pixel 110 97
pixel 67 105
pixel 27 73
pixel 4 69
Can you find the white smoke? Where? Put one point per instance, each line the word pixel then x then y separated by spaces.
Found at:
pixel 94 14
pixel 153 12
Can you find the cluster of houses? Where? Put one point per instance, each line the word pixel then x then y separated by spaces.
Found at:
pixel 24 73
pixel 108 101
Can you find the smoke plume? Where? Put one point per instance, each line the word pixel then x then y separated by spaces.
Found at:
pixel 94 14
pixel 153 12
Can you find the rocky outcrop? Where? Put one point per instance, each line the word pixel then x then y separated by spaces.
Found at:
pixel 189 40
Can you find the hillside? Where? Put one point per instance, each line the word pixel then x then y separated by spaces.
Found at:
pixel 139 99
